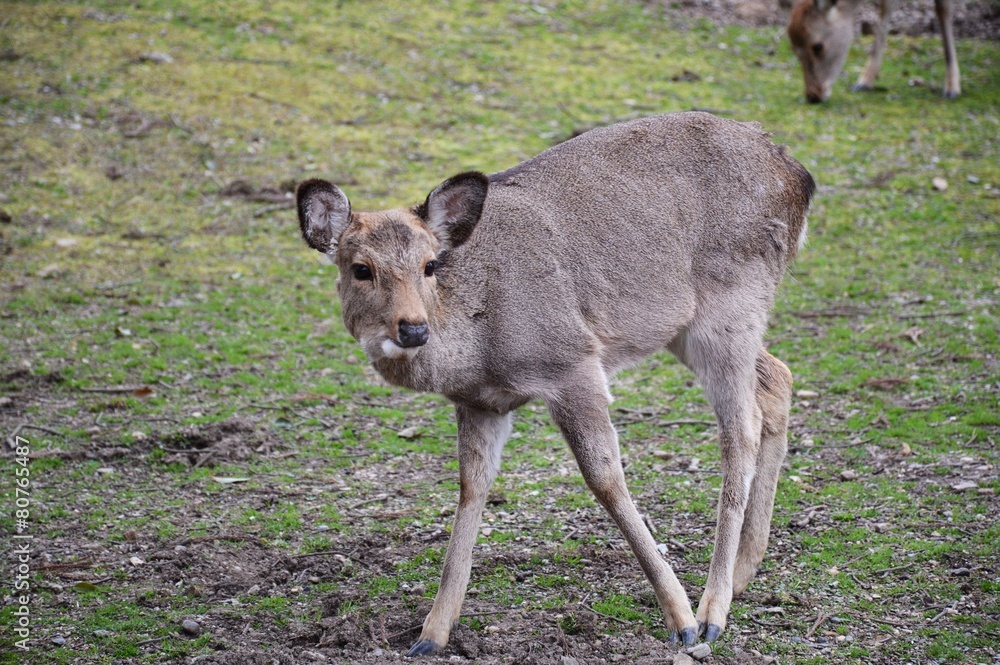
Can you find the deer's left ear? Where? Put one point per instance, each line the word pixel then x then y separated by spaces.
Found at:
pixel 453 209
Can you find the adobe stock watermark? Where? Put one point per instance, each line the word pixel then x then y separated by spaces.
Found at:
pixel 22 543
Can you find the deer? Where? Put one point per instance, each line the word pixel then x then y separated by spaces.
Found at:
pixel 821 32
pixel 542 281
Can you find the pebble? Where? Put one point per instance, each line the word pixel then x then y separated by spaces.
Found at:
pixel 683 659
pixel 59 640
pixel 699 651
pixel 848 474
pixel 313 655
pixel 191 627
pixel 570 660
pixel 807 394
pixel 940 184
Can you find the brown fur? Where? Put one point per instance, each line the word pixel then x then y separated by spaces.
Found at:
pixel 821 32
pixel 665 232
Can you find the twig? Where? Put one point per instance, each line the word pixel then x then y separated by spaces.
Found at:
pixel 819 622
pixel 947 610
pixel 368 501
pixel 112 390
pixel 894 568
pixel 40 429
pixel 393 636
pixel 931 315
pixel 608 616
pixel 12 439
pixel 284 205
pixel 204 458
pixel 888 622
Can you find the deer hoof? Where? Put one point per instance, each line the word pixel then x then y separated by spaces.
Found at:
pixel 712 632
pixel 951 94
pixel 422 648
pixel 689 635
pixel 862 87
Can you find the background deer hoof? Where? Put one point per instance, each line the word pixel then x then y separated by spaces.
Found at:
pixel 712 632
pixel 862 87
pixel 422 648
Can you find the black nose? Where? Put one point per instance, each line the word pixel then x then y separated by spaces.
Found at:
pixel 413 334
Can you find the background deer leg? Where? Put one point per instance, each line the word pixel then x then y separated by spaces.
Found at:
pixel 952 82
pixel 582 414
pixel 867 80
pixel 481 436
pixel 774 395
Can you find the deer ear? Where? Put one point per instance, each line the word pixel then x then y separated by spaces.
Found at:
pixel 324 213
pixel 452 210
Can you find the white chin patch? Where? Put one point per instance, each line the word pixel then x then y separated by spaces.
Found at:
pixel 394 351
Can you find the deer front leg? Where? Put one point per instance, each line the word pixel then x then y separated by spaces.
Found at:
pixel 581 413
pixel 481 436
pixel 952 81
pixel 867 80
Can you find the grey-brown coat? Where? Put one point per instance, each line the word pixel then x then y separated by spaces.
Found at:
pixel 542 281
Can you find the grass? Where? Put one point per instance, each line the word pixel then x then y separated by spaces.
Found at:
pixel 126 264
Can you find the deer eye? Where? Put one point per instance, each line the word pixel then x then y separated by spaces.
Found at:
pixel 430 268
pixel 361 272
pixel 817 48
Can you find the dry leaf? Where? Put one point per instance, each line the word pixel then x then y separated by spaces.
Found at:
pixel 913 334
pixel 144 392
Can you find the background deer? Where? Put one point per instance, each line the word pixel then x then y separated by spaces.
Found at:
pixel 821 32
pixel 542 281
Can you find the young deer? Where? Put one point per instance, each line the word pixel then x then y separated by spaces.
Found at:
pixel 541 281
pixel 821 32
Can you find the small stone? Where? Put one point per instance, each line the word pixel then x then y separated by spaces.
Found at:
pixel 191 627
pixel 940 184
pixel 883 527
pixel 59 640
pixel 973 179
pixel 570 660
pixel 49 271
pixel 313 655
pixel 965 485
pixel 156 57
pixel 905 449
pixel 699 651
pixel 807 394
pixel 102 633
pixel 663 454
pixel 683 659
pixel 848 474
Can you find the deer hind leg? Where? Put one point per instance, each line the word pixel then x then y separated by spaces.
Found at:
pixel 721 348
pixel 866 81
pixel 581 412
pixel 774 396
pixel 952 81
